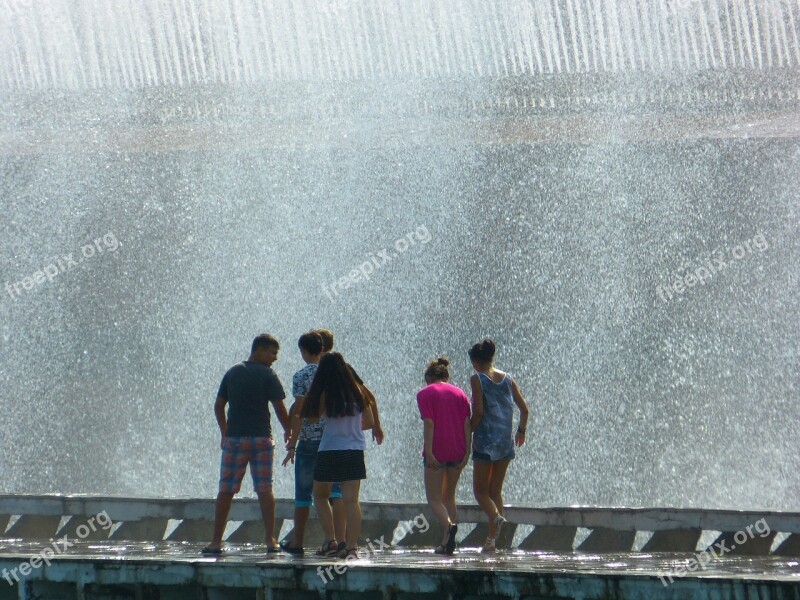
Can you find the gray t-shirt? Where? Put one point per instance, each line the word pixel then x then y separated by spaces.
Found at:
pixel 249 387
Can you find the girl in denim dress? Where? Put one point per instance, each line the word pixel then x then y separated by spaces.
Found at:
pixel 494 394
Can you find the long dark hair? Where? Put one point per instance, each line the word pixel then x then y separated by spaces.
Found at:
pixel 333 378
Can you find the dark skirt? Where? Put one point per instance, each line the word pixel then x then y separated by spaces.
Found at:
pixel 340 465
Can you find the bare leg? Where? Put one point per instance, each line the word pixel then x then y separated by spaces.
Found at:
pixel 496 483
pixel 433 493
pixel 482 473
pixel 322 490
pixel 350 490
pixel 221 510
pixel 449 486
pixel 339 518
pixel 266 500
pixel 301 514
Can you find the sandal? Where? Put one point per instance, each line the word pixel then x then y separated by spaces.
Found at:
pixel 499 521
pixel 450 546
pixel 489 546
pixel 329 548
pixel 440 549
pixel 289 549
pixel 348 552
pixel 211 551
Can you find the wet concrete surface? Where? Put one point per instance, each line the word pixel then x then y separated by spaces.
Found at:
pixel 763 568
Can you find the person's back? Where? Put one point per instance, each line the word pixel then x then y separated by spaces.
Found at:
pixel 244 394
pixel 249 387
pixel 343 433
pixel 447 406
pixel 494 434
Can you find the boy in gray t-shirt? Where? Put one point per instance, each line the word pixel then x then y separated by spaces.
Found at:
pixel 246 390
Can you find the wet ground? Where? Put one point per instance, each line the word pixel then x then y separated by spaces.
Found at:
pixel 767 568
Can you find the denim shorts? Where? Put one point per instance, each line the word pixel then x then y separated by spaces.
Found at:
pixel 485 458
pixel 305 459
pixel 454 463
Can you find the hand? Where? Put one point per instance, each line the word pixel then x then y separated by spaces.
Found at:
pixel 377 434
pixel 431 462
pixel 287 435
pixel 519 438
pixel 289 457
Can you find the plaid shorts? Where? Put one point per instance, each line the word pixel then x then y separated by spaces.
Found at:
pixel 236 453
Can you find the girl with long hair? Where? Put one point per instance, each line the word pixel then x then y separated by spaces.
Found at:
pixel 335 395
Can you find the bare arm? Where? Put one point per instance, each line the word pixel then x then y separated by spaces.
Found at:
pixel 297 422
pixel 219 412
pixel 430 459
pixel 519 438
pixel 287 434
pixel 477 402
pixel 377 430
pixel 468 440
pixel 283 415
pixel 367 418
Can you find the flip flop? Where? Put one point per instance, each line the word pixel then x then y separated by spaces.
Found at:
pixel 211 551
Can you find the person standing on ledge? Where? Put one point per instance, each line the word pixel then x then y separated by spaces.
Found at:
pixel 302 449
pixel 247 389
pixel 444 409
pixel 494 395
pixel 377 430
pixel 335 395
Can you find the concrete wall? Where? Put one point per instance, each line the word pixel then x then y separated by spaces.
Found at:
pixel 590 529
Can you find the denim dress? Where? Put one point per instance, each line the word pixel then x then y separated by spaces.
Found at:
pixel 494 434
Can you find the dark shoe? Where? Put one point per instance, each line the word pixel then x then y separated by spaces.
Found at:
pixel 440 549
pixel 329 548
pixel 450 546
pixel 289 549
pixel 342 546
pixel 211 551
pixel 273 549
pixel 348 552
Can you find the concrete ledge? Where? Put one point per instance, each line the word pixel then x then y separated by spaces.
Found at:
pixel 680 540
pixel 608 540
pixel 612 529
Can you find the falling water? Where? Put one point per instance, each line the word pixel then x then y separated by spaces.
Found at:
pixel 572 160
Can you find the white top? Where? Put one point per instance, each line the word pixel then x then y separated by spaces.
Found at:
pixel 343 433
